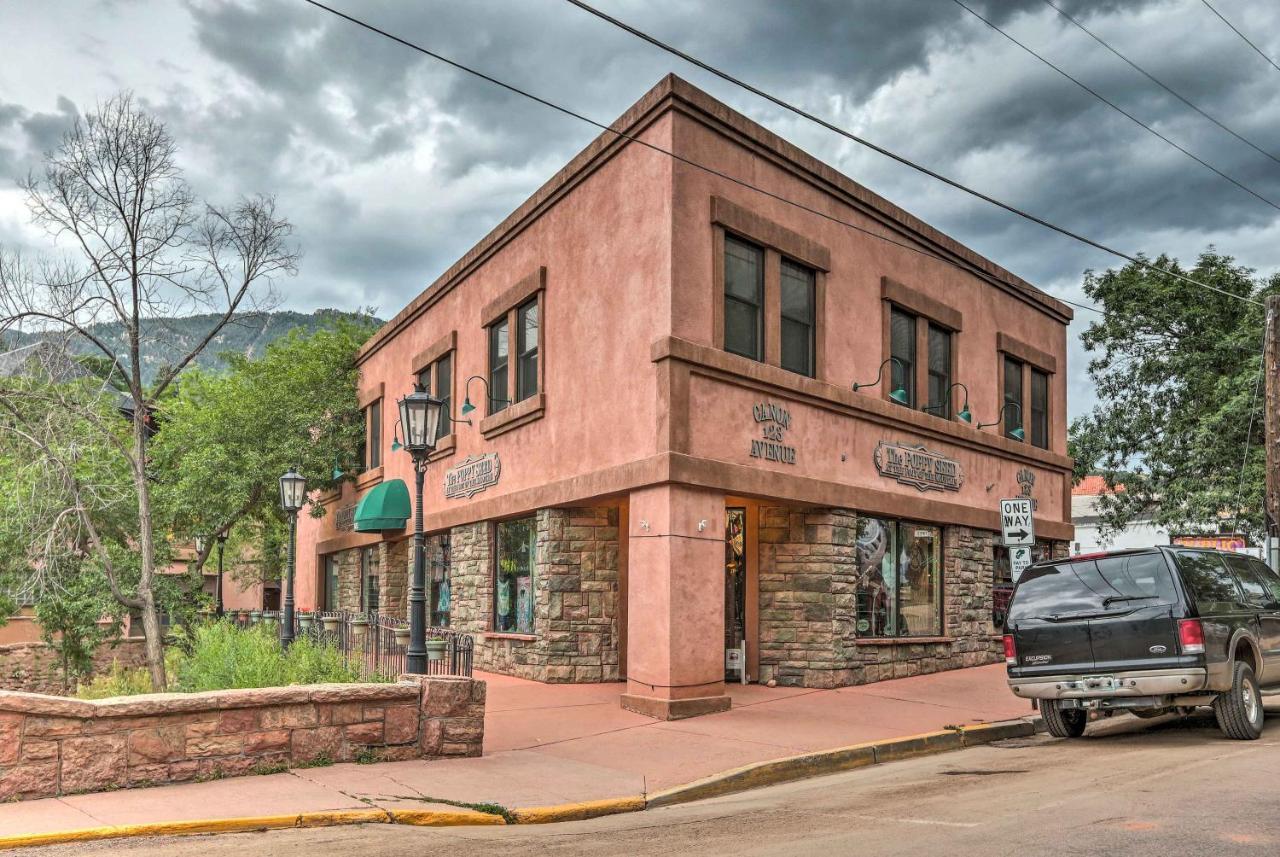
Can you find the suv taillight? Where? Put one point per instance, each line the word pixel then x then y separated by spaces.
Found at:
pixel 1191 636
pixel 1011 651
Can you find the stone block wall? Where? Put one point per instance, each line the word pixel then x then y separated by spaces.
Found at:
pixel 393 585
pixel 576 596
pixel 35 667
pixel 349 580
pixel 52 746
pixel 807 585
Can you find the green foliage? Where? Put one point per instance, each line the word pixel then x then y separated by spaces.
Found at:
pixel 72 615
pixel 227 438
pixel 224 656
pixel 120 681
pixel 1177 370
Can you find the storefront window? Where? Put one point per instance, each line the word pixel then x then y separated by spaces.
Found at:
pixel 370 570
pixel 513 590
pixel 331 582
pixel 439 596
pixel 899 579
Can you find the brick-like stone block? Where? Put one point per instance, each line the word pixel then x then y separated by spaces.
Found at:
pixel 94 763
pixel 10 737
pixel 401 724
pixel 290 717
pixel 237 720
pixel 52 727
pixel 341 714
pixel 29 781
pixel 214 745
pixel 275 740
pixel 157 744
pixel 444 696
pixel 363 733
pixel 310 744
pixel 39 750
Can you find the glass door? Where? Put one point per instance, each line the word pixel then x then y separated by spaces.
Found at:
pixel 735 584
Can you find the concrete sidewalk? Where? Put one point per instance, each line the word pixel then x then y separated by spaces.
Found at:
pixel 552 744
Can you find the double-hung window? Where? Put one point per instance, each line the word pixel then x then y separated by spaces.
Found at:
pixel 940 372
pixel 902 348
pixel 373 435
pixel 499 360
pixel 743 298
pixel 437 379
pixel 798 328
pixel 527 350
pixel 1039 417
pixel 1012 413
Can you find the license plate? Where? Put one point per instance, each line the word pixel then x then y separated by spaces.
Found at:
pixel 1098 682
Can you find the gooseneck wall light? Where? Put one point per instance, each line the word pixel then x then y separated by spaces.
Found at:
pixel 420 415
pixel 1016 432
pixel 964 414
pixel 899 394
pixel 467 407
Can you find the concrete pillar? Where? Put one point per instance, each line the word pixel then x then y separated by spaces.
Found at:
pixel 675 602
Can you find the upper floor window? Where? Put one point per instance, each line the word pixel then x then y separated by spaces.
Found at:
pixel 940 372
pixel 373 435
pixel 527 350
pixel 1039 417
pixel 743 298
pixel 1012 417
pixel 902 347
pixel 499 359
pixel 437 379
pixel 798 328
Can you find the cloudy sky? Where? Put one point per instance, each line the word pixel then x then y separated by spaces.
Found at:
pixel 392 166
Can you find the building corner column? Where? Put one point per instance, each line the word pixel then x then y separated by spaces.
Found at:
pixel 675 603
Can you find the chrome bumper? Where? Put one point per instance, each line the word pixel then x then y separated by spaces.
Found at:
pixel 1137 683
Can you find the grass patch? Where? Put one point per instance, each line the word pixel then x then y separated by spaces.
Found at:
pixel 367 756
pixel 264 768
pixel 321 761
pixel 487 808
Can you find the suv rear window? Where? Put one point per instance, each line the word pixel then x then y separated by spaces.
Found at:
pixel 1093 586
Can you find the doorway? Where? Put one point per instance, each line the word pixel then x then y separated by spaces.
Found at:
pixel 735 590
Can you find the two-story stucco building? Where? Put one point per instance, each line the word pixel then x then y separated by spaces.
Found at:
pixel 666 464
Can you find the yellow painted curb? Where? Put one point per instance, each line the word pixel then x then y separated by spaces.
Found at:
pixel 443 818
pixel 211 825
pixel 578 811
pixel 988 732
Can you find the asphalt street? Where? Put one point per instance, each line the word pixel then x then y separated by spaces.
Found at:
pixel 1165 787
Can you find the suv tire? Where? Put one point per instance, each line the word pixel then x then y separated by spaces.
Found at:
pixel 1239 710
pixel 1063 722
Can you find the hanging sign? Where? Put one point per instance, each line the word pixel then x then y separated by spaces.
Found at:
pixel 344 520
pixel 472 476
pixel 918 467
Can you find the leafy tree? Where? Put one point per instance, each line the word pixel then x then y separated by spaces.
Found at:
pixel 1177 369
pixel 75 618
pixel 226 439
pixel 139 246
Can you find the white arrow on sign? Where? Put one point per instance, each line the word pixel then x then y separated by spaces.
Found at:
pixel 1017 523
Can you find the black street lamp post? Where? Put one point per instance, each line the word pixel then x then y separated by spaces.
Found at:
pixel 222 543
pixel 293 493
pixel 420 420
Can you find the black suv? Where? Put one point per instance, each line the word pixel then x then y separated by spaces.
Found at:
pixel 1148 631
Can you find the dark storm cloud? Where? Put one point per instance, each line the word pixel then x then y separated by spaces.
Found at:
pixel 392 164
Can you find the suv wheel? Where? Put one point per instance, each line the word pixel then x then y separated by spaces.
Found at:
pixel 1063 722
pixel 1239 710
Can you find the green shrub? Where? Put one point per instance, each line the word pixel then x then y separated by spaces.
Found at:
pixel 120 681
pixel 224 656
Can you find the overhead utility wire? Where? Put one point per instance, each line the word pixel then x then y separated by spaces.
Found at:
pixel 1156 80
pixel 710 170
pixel 1240 34
pixel 785 105
pixel 1115 107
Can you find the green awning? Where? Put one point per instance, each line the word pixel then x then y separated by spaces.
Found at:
pixel 385 507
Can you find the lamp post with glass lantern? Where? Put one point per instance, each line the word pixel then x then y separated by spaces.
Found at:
pixel 420 421
pixel 293 493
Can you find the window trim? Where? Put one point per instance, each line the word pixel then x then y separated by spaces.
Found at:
pixel 931 312
pixel 776 242
pixel 506 307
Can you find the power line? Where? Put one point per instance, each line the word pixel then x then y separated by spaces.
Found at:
pixel 933 174
pixel 742 183
pixel 1240 34
pixel 1115 107
pixel 1157 81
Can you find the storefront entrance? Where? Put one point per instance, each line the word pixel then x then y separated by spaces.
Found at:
pixel 735 592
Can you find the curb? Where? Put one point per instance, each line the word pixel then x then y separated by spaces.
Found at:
pixel 757 775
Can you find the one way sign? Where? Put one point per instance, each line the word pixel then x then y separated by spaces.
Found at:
pixel 1017 526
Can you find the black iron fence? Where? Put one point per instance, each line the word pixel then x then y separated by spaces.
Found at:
pixel 378 644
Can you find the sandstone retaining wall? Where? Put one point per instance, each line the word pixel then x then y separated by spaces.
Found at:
pixel 36 667
pixel 52 745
